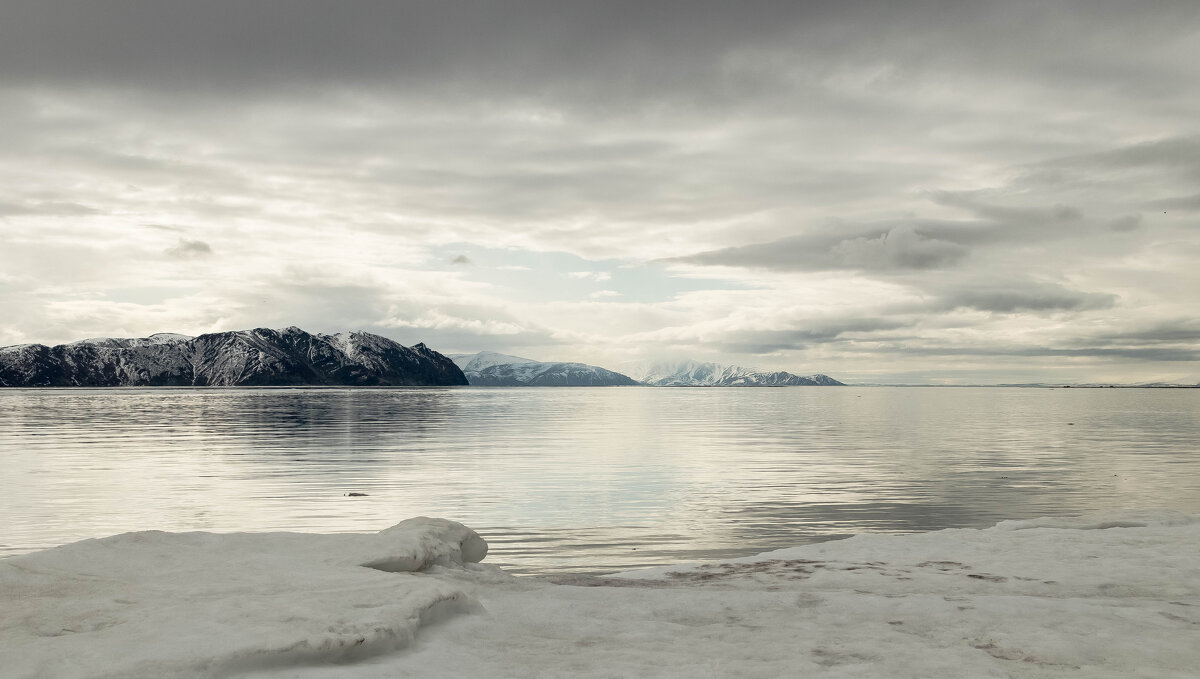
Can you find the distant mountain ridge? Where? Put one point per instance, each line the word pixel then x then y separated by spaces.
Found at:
pixel 258 357
pixel 491 369
pixel 701 374
pixel 486 359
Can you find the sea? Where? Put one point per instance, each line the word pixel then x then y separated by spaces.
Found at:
pixel 587 480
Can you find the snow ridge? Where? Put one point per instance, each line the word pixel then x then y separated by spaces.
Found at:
pixel 688 373
pixel 490 369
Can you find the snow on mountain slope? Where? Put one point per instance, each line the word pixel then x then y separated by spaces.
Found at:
pixel 486 359
pixel 547 375
pixel 128 342
pixel 490 369
pixel 259 357
pixel 701 374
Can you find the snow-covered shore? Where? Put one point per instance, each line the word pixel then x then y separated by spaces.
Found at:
pixel 1098 596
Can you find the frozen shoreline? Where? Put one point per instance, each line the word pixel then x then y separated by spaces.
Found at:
pixel 1099 596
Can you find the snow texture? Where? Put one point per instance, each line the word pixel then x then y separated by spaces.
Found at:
pixel 155 604
pixel 698 374
pixel 486 359
pixel 259 357
pixel 1094 597
pixel 490 369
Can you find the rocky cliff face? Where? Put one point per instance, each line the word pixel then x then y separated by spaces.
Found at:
pixel 259 357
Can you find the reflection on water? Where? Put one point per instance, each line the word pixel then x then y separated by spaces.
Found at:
pixel 587 479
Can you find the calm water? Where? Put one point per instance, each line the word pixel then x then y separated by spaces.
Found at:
pixel 587 479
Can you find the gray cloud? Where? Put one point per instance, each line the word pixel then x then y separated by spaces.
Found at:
pixel 1016 295
pixel 1126 223
pixel 900 248
pixel 808 335
pixel 527 46
pixel 1135 353
pixel 1176 152
pixel 60 209
pixel 881 247
pixel 1176 331
pixel 917 244
pixel 190 248
pixel 1191 202
pixel 273 43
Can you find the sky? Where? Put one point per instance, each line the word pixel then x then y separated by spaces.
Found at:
pixel 885 192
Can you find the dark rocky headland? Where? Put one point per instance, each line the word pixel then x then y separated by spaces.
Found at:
pixel 259 357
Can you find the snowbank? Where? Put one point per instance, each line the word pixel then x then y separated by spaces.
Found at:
pixel 1101 596
pixel 155 604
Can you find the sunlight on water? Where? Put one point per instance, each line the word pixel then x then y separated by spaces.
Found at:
pixel 587 479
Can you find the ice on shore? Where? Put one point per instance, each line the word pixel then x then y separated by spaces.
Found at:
pixel 1099 596
pixel 154 604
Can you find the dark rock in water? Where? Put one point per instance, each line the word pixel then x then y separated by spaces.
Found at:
pixel 259 357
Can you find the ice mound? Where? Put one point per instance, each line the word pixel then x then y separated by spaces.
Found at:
pixel 154 604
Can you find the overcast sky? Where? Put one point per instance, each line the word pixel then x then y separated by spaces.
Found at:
pixel 943 192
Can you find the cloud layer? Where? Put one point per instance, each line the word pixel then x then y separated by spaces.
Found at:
pixel 885 191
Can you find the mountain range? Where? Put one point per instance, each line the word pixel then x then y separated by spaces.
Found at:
pixel 293 357
pixel 699 374
pixel 259 357
pixel 490 369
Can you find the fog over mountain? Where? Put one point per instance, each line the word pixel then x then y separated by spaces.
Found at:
pixel 897 192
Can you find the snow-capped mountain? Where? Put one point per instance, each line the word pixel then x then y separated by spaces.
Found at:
pixel 490 369
pixel 259 357
pixel 699 374
pixel 485 359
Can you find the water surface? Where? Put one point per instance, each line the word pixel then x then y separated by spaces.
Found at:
pixel 588 479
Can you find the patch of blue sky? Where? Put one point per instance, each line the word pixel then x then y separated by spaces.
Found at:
pixel 556 276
